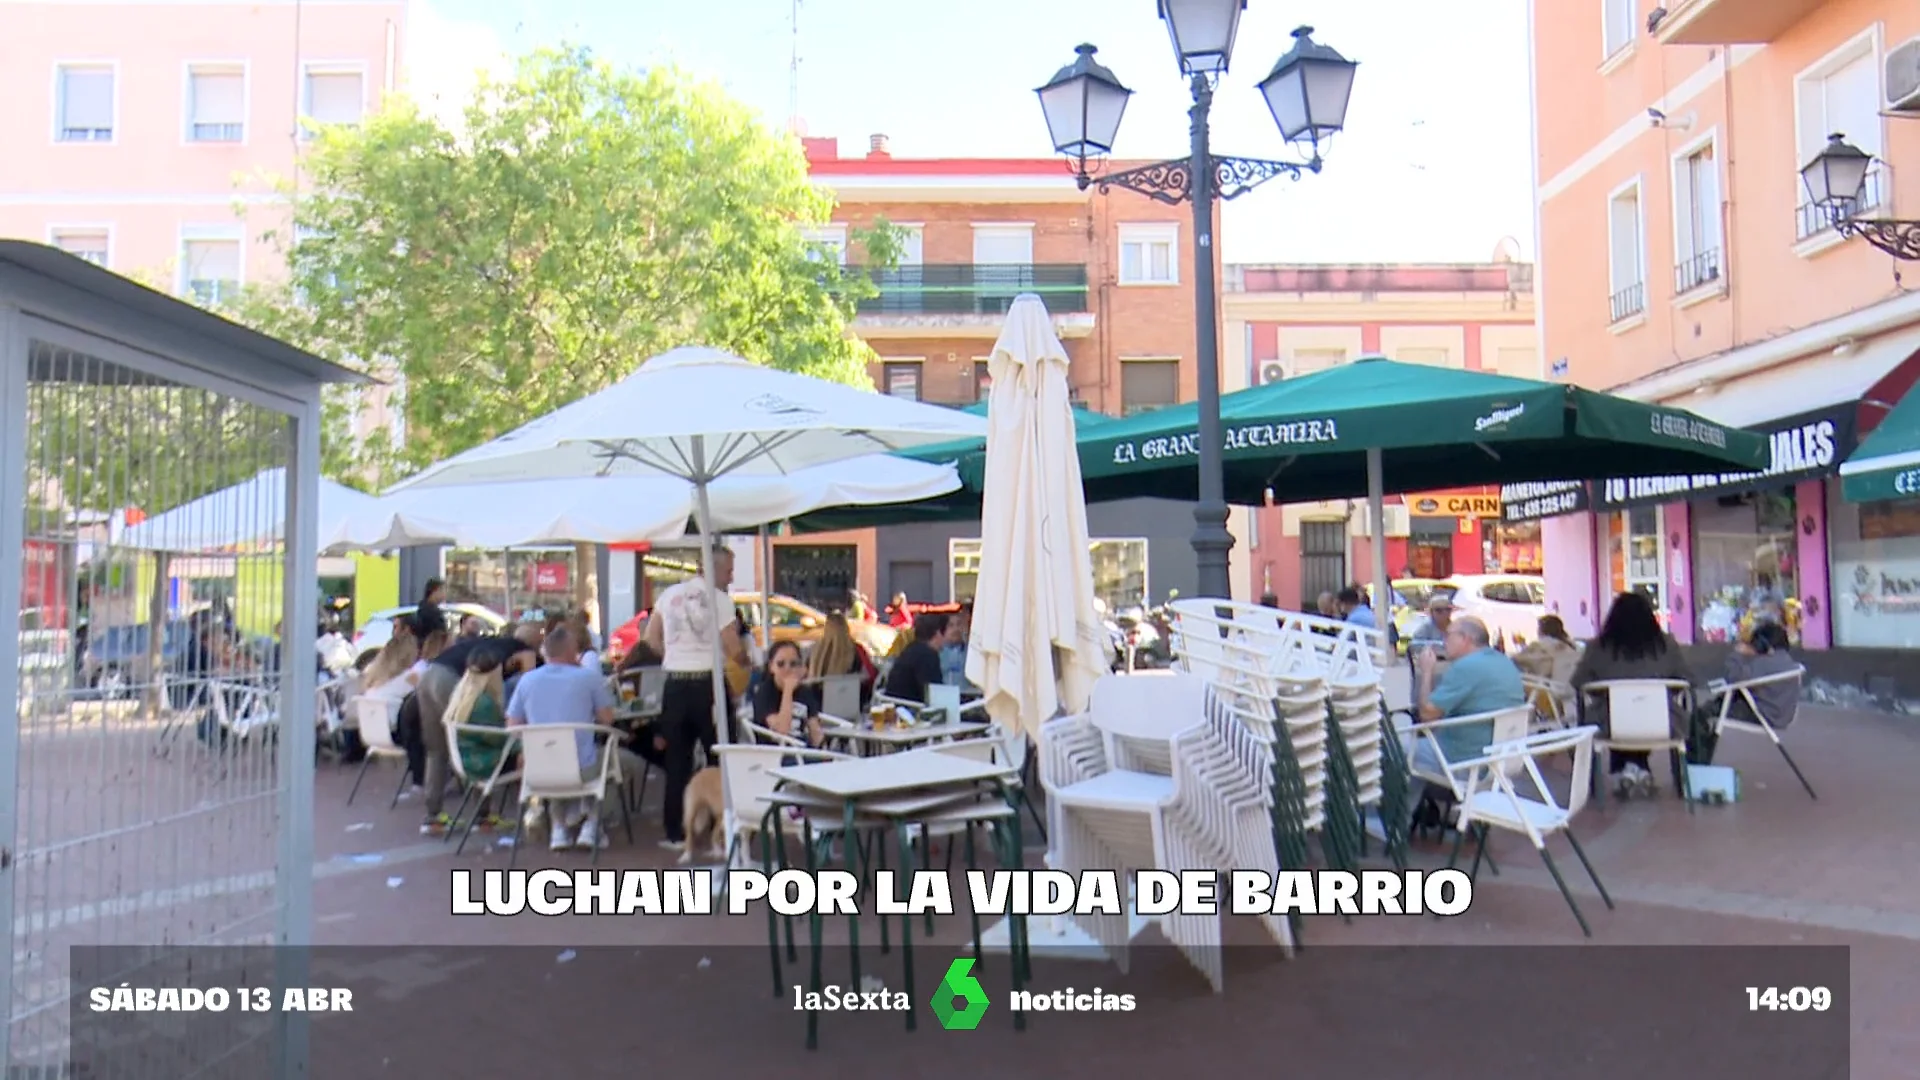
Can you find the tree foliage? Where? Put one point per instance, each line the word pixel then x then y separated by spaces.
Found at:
pixel 582 219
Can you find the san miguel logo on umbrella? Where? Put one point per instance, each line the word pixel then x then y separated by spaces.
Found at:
pixel 775 405
pixel 1499 418
pixel 1240 438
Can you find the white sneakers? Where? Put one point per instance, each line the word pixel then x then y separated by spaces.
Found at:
pixel 559 838
pixel 1633 780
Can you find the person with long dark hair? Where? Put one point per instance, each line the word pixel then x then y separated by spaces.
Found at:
pixel 1632 645
pixel 429 616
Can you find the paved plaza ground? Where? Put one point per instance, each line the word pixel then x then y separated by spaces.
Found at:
pixel 1775 869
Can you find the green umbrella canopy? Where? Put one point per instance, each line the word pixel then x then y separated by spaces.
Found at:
pixel 969 459
pixel 1307 438
pixel 1887 463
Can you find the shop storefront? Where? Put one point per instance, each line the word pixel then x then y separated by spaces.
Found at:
pixel 1876 572
pixel 1720 554
pixel 1463 531
pixel 520 583
pixel 1119 571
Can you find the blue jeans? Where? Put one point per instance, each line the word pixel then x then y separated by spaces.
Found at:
pixel 1421 757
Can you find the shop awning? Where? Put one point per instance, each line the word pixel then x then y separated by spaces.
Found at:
pixel 1805 446
pixel 1887 465
pixel 1811 383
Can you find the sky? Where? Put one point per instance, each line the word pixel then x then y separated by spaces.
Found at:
pixel 1434 165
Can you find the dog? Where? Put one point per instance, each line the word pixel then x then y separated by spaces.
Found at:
pixel 705 815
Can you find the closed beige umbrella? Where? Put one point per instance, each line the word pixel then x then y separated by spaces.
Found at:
pixel 1036 642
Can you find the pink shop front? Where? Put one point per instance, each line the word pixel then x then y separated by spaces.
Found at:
pixel 1719 554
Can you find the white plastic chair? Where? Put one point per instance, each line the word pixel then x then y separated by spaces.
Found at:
pixel 744 775
pixel 1492 801
pixel 485 786
pixel 377 715
pixel 1761 723
pixel 840 697
pixel 1552 702
pixel 1639 720
pixel 550 770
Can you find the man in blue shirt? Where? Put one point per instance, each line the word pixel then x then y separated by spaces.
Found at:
pixel 953 653
pixel 1479 679
pixel 563 692
pixel 1353 608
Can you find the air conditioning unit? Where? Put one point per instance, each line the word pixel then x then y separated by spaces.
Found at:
pixel 1397 518
pixel 1903 78
pixel 1271 371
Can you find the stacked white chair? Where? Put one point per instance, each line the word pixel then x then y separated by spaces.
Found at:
pixel 1115 802
pixel 1315 678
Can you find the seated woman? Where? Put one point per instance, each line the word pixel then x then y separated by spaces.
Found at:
pixel 479 701
pixel 1764 653
pixel 781 704
pixel 836 653
pixel 1550 655
pixel 1631 645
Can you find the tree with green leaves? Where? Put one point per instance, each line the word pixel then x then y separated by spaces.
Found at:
pixel 580 220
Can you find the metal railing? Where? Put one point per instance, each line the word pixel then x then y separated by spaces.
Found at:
pixel 212 291
pixel 972 288
pixel 218 132
pixel 1629 301
pixel 1700 270
pixel 1811 220
pixel 86 134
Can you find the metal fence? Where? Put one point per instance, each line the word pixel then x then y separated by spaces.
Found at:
pixel 155 756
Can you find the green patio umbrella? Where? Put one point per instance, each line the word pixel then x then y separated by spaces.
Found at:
pixel 1375 426
pixel 1886 465
pixel 969 459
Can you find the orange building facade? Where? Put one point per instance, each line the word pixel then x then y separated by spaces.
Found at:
pixel 1292 320
pixel 1681 263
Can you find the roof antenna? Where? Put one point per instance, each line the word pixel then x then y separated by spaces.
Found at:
pixel 793 78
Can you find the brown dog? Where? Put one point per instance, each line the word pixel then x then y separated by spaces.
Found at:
pixel 704 818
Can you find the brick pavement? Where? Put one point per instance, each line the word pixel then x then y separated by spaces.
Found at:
pixel 1777 869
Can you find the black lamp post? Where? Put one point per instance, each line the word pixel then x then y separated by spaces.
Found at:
pixel 1307 93
pixel 1836 181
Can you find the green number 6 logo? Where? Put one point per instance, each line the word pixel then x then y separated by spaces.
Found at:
pixel 960 1002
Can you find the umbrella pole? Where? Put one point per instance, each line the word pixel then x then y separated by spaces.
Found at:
pixel 703 514
pixel 766 589
pixel 1377 526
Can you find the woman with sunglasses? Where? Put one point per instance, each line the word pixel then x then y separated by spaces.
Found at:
pixel 781 703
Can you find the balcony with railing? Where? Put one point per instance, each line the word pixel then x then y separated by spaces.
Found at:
pixel 969 299
pixel 1811 221
pixel 1699 271
pixel 1730 22
pixel 1628 302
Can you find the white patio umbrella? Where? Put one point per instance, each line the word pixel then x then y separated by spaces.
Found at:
pixel 699 414
pixel 627 509
pixel 252 513
pixel 1036 640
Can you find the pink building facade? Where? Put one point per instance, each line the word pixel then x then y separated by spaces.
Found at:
pixel 151 137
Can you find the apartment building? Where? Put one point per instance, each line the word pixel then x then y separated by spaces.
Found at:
pixel 1681 263
pixel 1116 272
pixel 1291 320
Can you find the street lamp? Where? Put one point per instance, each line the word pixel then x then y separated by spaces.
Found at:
pixel 1307 93
pixel 1836 181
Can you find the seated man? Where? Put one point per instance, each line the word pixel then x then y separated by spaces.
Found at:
pixel 918 665
pixel 1354 609
pixel 563 692
pixel 1478 679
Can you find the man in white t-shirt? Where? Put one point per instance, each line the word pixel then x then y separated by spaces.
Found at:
pixel 686 621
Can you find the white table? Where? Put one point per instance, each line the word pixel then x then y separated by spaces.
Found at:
pixel 899 738
pixel 899 787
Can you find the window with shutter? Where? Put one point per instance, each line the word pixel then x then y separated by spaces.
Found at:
pixel 335 97
pixel 1624 248
pixel 1308 361
pixel 211 269
pixel 86 104
pixel 1428 355
pixel 1696 220
pixel 217 98
pixel 1148 384
pixel 89 244
pixel 1840 96
pixel 1003 245
pixel 1621 22
pixel 901 380
pixel 1519 363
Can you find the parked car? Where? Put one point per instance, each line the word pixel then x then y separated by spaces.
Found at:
pixel 1410 596
pixel 378 629
pixel 791 619
pixel 117 658
pixel 1510 604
